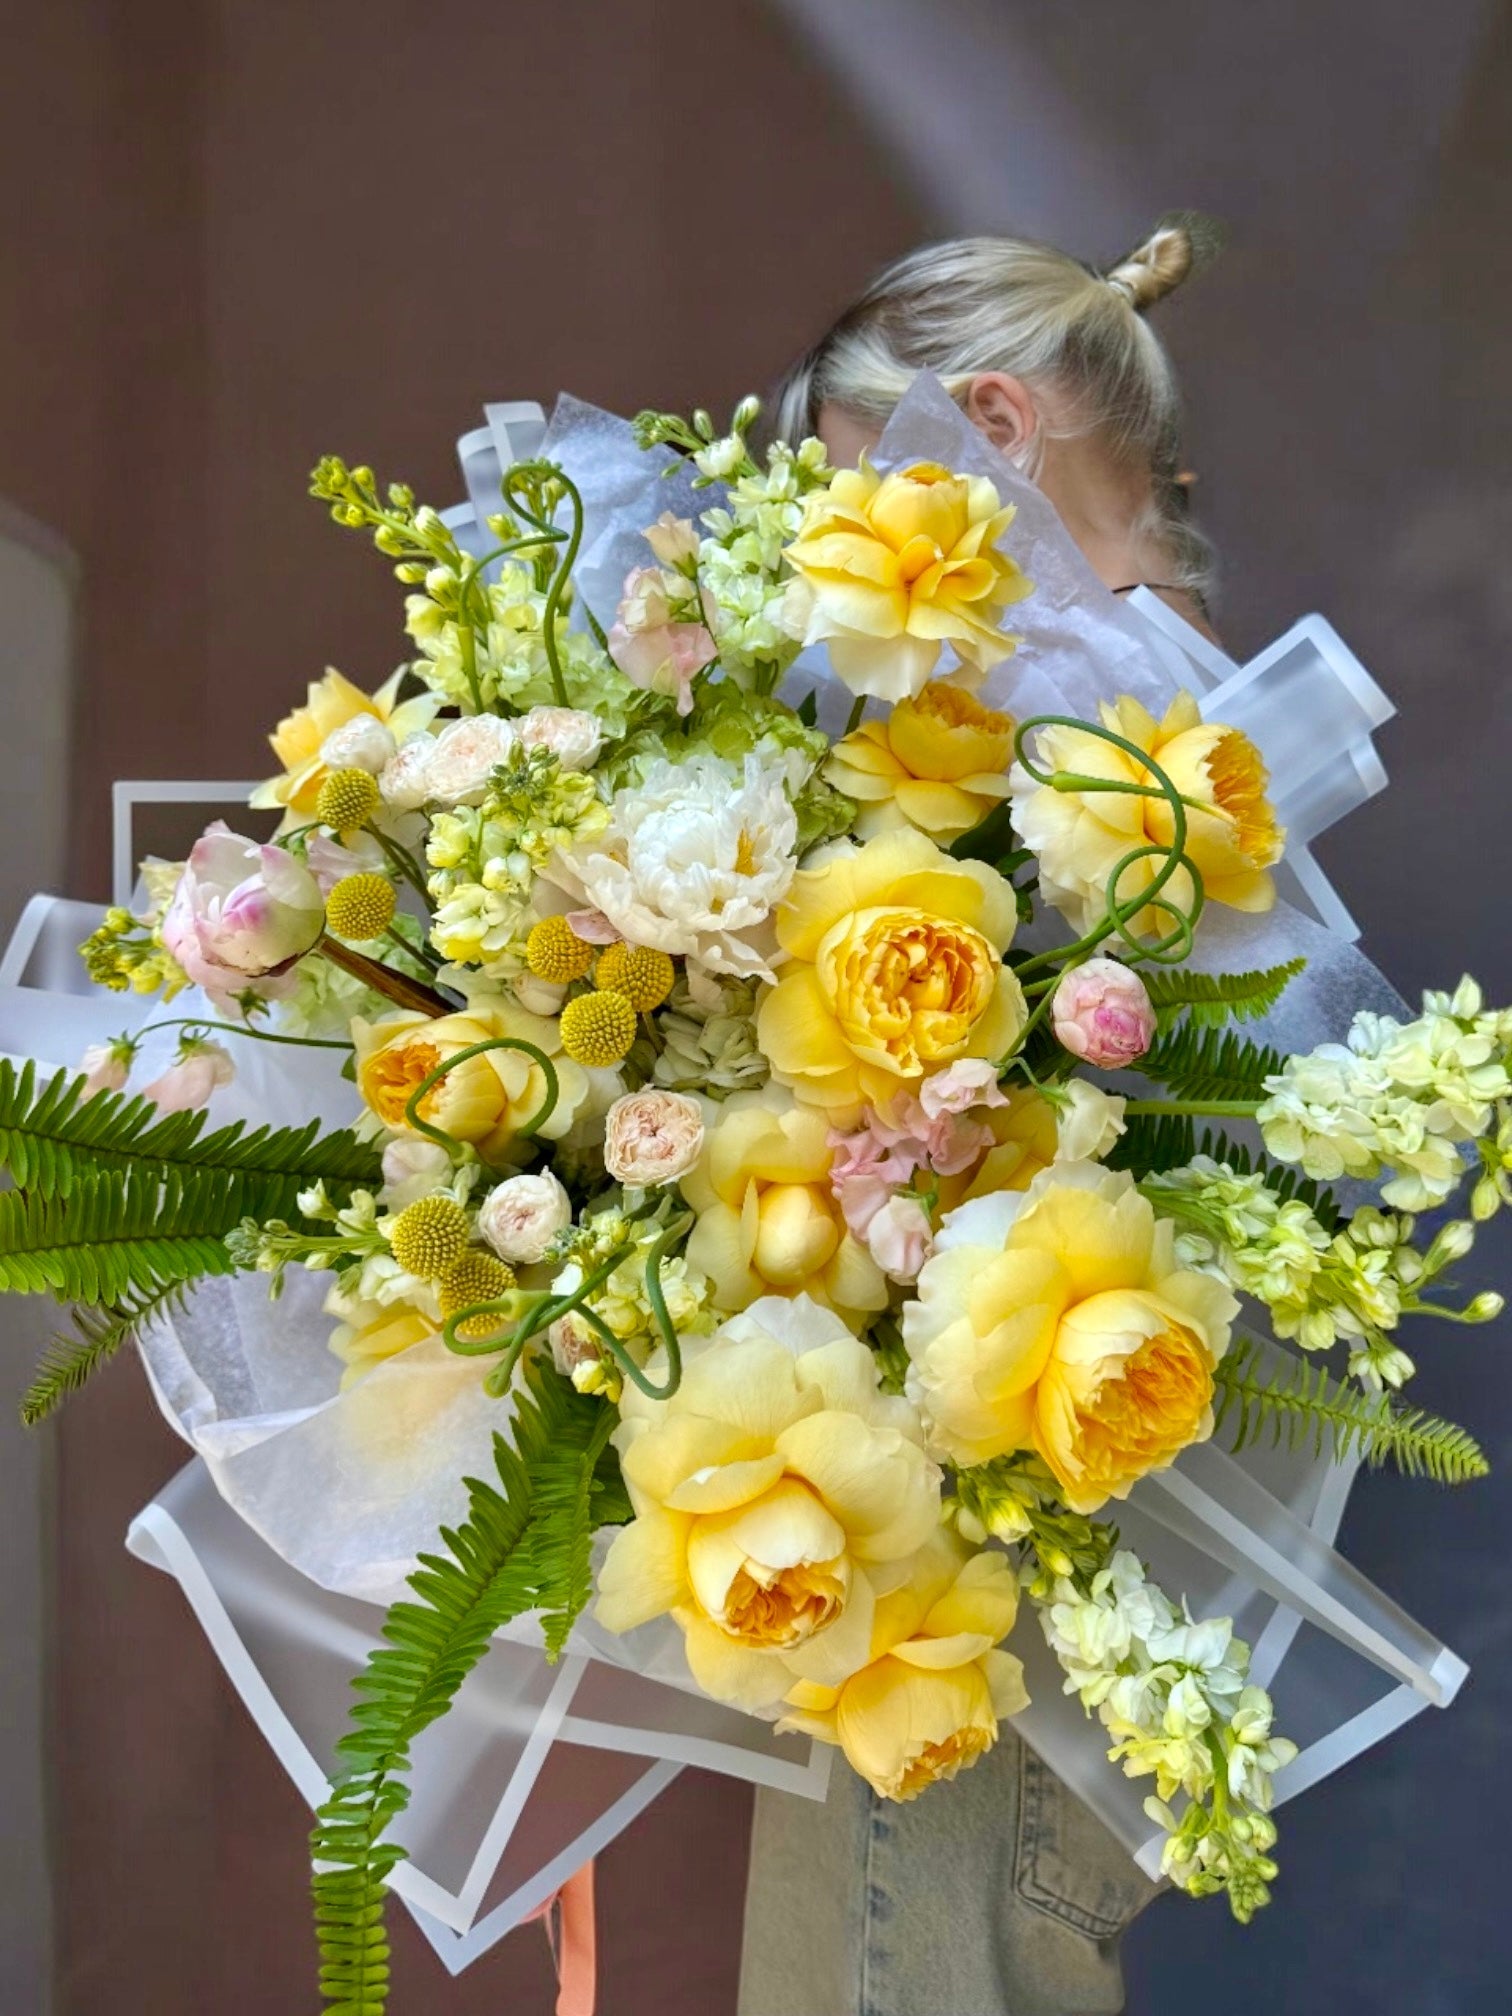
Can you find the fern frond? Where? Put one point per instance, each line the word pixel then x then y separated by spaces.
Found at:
pixel 52 1136
pixel 1300 1405
pixel 124 1232
pixel 72 1357
pixel 1212 999
pixel 1153 1142
pixel 522 1546
pixel 1193 1062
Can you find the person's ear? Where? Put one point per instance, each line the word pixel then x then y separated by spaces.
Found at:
pixel 1002 408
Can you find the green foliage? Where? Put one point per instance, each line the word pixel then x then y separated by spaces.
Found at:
pixel 522 1547
pixel 1196 1062
pixel 127 1231
pixel 1299 1404
pixel 1154 1142
pixel 1213 999
pixel 72 1357
pixel 53 1137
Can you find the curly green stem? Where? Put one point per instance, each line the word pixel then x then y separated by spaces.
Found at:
pixel 412 1115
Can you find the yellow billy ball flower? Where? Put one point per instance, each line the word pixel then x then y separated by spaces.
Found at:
pixel 430 1236
pixel 641 973
pixel 476 1277
pixel 554 951
pixel 348 799
pixel 598 1028
pixel 361 907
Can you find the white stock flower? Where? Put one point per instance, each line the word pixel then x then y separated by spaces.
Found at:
pixel 692 862
pixel 522 1215
pixel 412 1168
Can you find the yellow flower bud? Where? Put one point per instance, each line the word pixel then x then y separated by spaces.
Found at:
pixel 361 907
pixel 640 972
pixel 430 1236
pixel 597 1029
pixel 348 799
pixel 554 952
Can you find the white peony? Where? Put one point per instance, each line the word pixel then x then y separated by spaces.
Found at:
pixel 693 862
pixel 522 1215
pixel 363 743
pixel 403 780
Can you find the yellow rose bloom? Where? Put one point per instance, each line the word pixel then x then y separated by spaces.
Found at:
pixel 775 1493
pixel 768 1222
pixel 1059 1321
pixel 334 702
pixel 370 1332
pixel 1081 836
pixel 889 568
pixel 486 1100
pixel 894 969
pixel 927 1703
pixel 939 762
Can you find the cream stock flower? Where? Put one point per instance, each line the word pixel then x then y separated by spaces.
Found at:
pixel 927 1703
pixel 894 970
pixel 334 703
pixel 768 1220
pixel 939 761
pixel 1059 1321
pixel 691 862
pixel 1233 839
pixel 486 1100
pixel 775 1494
pixel 889 568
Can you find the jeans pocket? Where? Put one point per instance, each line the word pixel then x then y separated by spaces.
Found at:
pixel 1066 1863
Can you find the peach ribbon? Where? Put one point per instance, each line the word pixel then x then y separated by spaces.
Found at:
pixel 573 1942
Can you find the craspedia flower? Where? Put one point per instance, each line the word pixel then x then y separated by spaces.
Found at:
pixel 348 799
pixel 476 1277
pixel 361 907
pixel 554 952
pixel 430 1236
pixel 598 1028
pixel 642 973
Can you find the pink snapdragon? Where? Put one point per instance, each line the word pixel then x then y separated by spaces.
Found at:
pixel 1102 1014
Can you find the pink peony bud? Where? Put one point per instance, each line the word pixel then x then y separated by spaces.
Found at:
pixel 242 915
pixel 1103 1015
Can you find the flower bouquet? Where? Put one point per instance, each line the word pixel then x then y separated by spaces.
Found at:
pixel 815 1139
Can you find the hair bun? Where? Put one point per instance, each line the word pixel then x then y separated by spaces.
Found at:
pixel 1178 243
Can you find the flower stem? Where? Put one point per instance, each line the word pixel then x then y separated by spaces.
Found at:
pixel 1238 1109
pixel 397 987
pixel 246 1029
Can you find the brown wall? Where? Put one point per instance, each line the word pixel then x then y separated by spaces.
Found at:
pixel 236 236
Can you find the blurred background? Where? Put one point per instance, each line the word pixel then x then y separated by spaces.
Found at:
pixel 238 233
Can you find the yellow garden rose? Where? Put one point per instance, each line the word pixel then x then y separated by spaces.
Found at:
pixel 928 1701
pixel 894 969
pixel 939 762
pixel 889 568
pixel 368 726
pixel 1059 1321
pixel 776 1494
pixel 1081 836
pixel 768 1221
pixel 487 1099
pixel 370 1332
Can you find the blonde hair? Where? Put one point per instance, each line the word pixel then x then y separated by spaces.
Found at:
pixel 1067 329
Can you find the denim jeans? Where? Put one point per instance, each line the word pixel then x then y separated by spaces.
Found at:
pixel 999 1894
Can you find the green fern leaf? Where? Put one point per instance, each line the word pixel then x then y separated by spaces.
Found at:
pixel 1209 1064
pixel 1213 999
pixel 523 1546
pixel 72 1357
pixel 1152 1142
pixel 1299 1405
pixel 52 1136
pixel 125 1232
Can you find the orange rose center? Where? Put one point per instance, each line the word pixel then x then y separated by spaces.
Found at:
pixel 907 985
pixel 1239 777
pixel 1144 1414
pixel 943 1760
pixel 393 1075
pixel 783 1607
